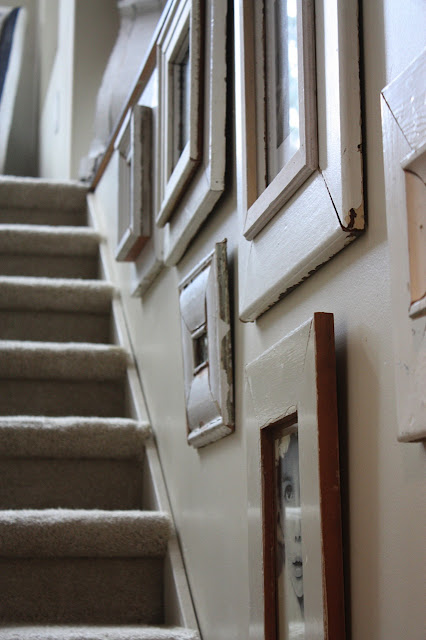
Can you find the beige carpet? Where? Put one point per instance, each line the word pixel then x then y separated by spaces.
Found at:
pixel 80 556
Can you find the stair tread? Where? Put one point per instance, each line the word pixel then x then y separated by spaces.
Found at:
pixel 95 632
pixel 48 240
pixel 78 533
pixel 41 193
pixel 59 360
pixel 71 437
pixel 55 294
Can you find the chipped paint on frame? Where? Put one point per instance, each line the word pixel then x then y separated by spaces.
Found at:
pixel 204 305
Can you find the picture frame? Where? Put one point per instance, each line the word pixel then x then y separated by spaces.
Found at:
pixel 287 151
pixel 292 388
pixel 207 184
pixel 180 88
pixel 207 349
pixel 326 212
pixel 134 149
pixel 403 104
pixel 150 262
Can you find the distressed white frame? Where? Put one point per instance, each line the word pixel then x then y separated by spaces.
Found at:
pixel 183 21
pixel 208 183
pixel 134 148
pixel 149 264
pixel 204 307
pixel 327 211
pixel 269 198
pixel 403 104
pixel 297 375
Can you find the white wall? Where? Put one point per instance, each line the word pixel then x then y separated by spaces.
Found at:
pixel 56 112
pixel 86 35
pixel 21 156
pixel 382 480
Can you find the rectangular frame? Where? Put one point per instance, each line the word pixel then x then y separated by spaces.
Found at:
pixel 297 376
pixel 207 184
pixel 327 211
pixel 207 349
pixel 183 21
pixel 403 104
pixel 134 148
pixel 264 200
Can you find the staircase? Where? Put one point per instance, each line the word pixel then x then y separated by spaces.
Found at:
pixel 84 552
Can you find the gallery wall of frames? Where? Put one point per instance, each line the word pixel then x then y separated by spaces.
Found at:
pixel 296 116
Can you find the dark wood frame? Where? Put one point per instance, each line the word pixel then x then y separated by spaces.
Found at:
pixel 310 379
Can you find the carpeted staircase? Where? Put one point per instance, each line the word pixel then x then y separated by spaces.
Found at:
pixel 80 558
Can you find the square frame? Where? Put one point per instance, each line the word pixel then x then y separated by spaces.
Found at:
pixel 297 375
pixel 403 104
pixel 134 148
pixel 183 24
pixel 327 211
pixel 207 349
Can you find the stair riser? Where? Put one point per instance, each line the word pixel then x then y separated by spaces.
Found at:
pixel 53 217
pixel 81 590
pixel 54 326
pixel 40 266
pixel 59 398
pixel 70 484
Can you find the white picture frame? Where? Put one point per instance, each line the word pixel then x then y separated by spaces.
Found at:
pixel 208 182
pixel 207 349
pixel 403 104
pixel 267 195
pixel 326 213
pixel 180 90
pixel 134 149
pixel 294 381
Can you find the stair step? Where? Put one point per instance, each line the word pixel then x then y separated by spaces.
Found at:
pixel 46 483
pixel 55 294
pixel 124 632
pixel 53 309
pixel 73 463
pixel 57 361
pixel 82 566
pixel 48 251
pixel 68 437
pixel 55 379
pixel 41 193
pixel 82 590
pixel 54 241
pixel 79 533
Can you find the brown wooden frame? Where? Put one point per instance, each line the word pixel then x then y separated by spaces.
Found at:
pixel 300 378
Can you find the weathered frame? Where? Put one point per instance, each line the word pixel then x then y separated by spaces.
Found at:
pixel 134 148
pixel 208 183
pixel 403 104
pixel 207 349
pixel 327 211
pixel 183 21
pixel 264 200
pixel 297 376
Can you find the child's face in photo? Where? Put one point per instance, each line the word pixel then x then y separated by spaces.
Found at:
pixel 290 509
